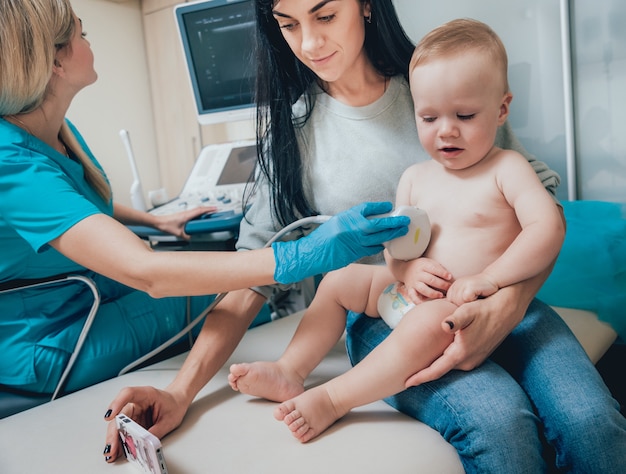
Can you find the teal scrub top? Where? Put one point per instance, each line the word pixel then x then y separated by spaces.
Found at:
pixel 42 194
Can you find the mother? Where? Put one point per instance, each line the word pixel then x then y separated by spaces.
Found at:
pixel 336 126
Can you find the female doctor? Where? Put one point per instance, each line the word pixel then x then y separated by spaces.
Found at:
pixel 57 216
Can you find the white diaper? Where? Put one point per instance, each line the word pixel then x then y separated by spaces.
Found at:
pixel 393 304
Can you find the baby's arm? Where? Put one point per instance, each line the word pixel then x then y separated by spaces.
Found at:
pixel 471 287
pixel 423 277
pixel 535 247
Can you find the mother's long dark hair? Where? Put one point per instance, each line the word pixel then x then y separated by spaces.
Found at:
pixel 282 79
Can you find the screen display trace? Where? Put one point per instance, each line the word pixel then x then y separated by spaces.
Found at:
pixel 218 44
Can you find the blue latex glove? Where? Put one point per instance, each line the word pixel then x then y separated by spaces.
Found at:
pixel 346 237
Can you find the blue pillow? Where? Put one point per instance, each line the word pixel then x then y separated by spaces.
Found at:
pixel 590 272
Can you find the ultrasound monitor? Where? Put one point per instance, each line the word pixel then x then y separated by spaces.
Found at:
pixel 239 166
pixel 217 38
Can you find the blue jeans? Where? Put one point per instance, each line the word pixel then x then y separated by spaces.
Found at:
pixel 537 405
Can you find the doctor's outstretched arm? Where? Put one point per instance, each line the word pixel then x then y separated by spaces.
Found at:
pixel 103 245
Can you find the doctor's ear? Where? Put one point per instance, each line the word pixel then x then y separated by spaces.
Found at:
pixel 57 67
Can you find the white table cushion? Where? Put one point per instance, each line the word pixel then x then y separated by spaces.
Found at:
pixel 227 432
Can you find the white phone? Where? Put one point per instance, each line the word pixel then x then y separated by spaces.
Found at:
pixel 141 447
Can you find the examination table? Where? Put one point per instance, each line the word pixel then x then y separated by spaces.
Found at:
pixel 227 432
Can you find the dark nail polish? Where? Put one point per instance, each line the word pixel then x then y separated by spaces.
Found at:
pixel 108 413
pixel 107 449
pixel 107 459
pixel 451 324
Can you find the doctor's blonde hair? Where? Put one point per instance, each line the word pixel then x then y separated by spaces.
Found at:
pixel 31 34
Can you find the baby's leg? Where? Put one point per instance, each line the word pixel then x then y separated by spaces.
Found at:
pixel 415 343
pixel 320 329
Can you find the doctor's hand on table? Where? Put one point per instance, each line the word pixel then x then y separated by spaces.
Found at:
pixel 344 238
pixel 173 224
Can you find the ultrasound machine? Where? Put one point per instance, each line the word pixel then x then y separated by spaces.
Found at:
pixel 217 41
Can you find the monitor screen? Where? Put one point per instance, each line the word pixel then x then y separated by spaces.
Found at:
pixel 239 165
pixel 217 38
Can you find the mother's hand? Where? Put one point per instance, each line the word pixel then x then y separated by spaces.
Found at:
pixel 479 326
pixel 157 410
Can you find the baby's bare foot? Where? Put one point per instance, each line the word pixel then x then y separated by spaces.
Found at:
pixel 267 380
pixel 308 415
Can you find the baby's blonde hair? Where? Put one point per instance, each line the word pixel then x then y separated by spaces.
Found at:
pixel 31 33
pixel 462 35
